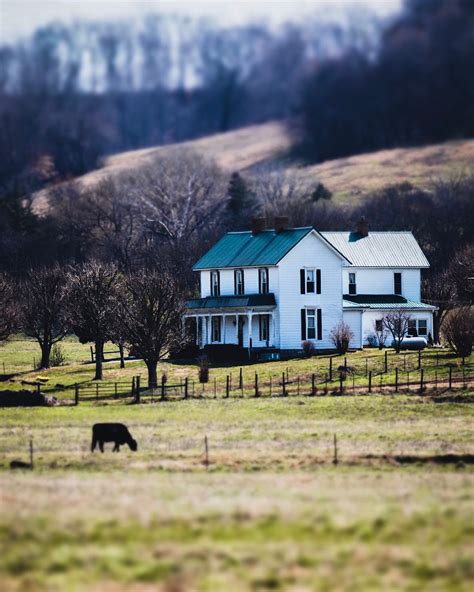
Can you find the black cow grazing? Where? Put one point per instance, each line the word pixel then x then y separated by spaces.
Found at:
pixel 112 432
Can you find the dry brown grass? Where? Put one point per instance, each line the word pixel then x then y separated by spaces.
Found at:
pixel 269 143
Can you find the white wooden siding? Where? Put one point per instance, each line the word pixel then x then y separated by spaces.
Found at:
pixel 311 251
pixel 370 316
pixel 354 319
pixel 380 281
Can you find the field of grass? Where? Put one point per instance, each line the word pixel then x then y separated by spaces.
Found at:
pixel 269 144
pixel 271 511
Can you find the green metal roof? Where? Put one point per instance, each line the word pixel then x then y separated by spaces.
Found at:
pixel 244 301
pixel 382 302
pixel 244 249
pixel 379 249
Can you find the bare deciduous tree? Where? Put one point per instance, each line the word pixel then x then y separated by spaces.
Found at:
pixel 151 316
pixel 8 308
pixel 458 329
pixel 396 322
pixel 381 333
pixel 341 336
pixel 94 295
pixel 43 308
pixel 179 194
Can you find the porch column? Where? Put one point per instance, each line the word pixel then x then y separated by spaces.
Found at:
pixel 224 327
pixel 237 328
pixel 273 329
pixel 208 329
pixel 249 317
pixel 197 317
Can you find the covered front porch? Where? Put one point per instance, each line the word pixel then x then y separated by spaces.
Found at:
pixel 245 321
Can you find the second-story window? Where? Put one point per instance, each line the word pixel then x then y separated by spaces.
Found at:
pixel 397 283
pixel 352 283
pixel 215 283
pixel 239 282
pixel 310 285
pixel 263 281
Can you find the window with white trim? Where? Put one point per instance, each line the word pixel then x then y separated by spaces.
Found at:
pixel 311 323
pixel 352 283
pixel 263 280
pixel 264 327
pixel 216 329
pixel 239 282
pixel 215 283
pixel 418 327
pixel 310 281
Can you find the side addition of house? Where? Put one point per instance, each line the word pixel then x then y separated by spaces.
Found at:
pixel 267 291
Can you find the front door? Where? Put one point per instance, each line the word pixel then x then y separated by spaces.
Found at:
pixel 240 331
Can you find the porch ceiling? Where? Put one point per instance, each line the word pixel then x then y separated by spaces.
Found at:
pixel 231 302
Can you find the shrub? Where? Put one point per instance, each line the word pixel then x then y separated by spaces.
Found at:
pixel 341 336
pixel 308 348
pixel 58 357
pixel 458 329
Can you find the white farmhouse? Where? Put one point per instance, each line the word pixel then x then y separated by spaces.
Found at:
pixel 267 291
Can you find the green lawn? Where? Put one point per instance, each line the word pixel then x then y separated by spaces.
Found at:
pixel 18 354
pixel 272 511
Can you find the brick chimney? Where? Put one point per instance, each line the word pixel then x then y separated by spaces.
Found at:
pixel 258 224
pixel 362 227
pixel 281 223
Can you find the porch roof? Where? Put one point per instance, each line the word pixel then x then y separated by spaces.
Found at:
pixel 244 301
pixel 382 302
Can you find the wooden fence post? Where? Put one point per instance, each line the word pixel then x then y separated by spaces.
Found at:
pixel 31 454
pixel 386 361
pixel 370 381
pixel 450 377
pixel 283 384
pixel 92 354
pixel 298 385
pixel 313 383
pixel 206 451
pixel 396 380
pixel 241 380
pixel 163 383
pixel 227 386
pixel 345 362
pixel 330 368
pixel 115 391
pixel 326 384
pixel 335 459
pixel 340 384
pixel 137 389
pixel 270 385
pixel 76 394
pixel 256 385
pixel 97 391
pixel 421 380
pixel 133 386
pixel 186 384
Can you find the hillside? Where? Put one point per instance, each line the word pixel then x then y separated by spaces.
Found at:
pixel 269 144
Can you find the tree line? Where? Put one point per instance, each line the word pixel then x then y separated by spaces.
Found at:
pixel 71 94
pixel 418 88
pixel 95 301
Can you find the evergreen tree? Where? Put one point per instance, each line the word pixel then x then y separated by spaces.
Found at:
pixel 241 202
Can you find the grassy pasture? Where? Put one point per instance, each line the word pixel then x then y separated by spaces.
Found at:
pixel 272 512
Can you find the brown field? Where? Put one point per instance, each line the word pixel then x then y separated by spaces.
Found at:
pixel 270 143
